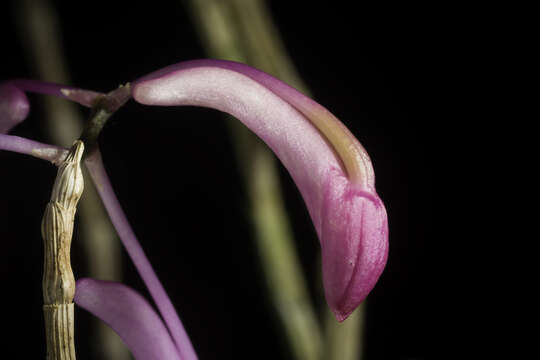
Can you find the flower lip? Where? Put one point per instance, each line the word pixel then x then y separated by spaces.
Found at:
pixel 354 241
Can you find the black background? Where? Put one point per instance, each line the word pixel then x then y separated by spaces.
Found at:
pixel 176 176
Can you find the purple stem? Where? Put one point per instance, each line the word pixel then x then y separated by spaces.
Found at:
pixel 94 164
pixel 17 144
pixel 81 96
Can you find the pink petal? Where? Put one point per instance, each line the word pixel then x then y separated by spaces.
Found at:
pixel 130 316
pixel 14 107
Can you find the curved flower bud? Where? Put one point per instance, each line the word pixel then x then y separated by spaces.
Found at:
pixel 331 169
pixel 130 315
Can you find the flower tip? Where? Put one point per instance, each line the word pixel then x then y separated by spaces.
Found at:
pixel 354 239
pixel 341 316
pixel 14 107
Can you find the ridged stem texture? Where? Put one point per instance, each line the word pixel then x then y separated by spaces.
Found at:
pixel 58 279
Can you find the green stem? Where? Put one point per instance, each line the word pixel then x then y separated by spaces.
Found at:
pixel 244 31
pixel 240 31
pixel 345 339
pixel 103 109
pixel 95 124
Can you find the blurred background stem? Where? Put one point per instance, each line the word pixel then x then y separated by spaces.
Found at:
pixel 40 35
pixel 345 340
pixel 222 33
pixel 243 30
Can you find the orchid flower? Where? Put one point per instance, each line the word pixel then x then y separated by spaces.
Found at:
pixel 329 166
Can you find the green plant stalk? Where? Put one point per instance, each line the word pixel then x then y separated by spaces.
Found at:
pixel 239 31
pixel 40 33
pixel 243 30
pixel 344 340
pixel 267 51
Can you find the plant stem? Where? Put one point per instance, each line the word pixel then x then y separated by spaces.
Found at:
pixel 40 35
pixel 58 279
pixel 265 49
pixel 241 31
pixel 244 31
pixel 102 110
pixel 96 169
pixel 344 340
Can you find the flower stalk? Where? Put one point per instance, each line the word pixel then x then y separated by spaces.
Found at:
pixel 58 279
pixel 103 109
